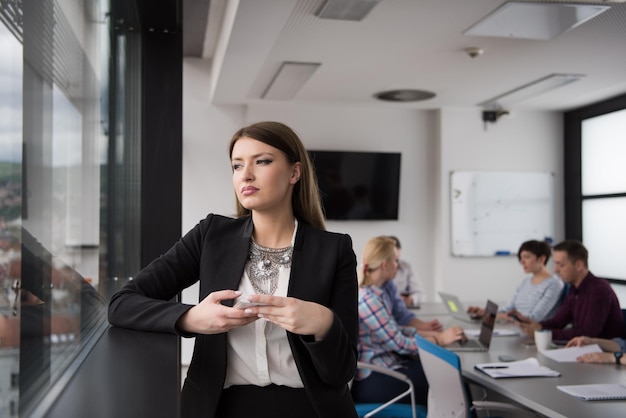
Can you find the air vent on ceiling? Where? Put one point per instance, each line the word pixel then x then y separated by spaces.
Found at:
pixel 354 10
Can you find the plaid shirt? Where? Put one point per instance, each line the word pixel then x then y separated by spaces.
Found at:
pixel 380 336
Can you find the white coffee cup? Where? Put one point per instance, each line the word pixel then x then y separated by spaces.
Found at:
pixel 543 339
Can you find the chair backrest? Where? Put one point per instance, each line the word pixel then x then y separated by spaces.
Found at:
pixel 447 394
pixel 391 408
pixel 560 300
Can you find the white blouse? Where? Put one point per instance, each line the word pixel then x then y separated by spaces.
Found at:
pixel 259 353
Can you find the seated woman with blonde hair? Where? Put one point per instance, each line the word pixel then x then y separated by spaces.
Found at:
pixel 382 341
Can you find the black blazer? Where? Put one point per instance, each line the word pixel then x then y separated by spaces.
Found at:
pixel 323 270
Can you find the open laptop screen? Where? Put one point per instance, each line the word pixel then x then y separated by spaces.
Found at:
pixel 488 323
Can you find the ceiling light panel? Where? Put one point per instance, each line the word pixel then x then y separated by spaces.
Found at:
pixel 289 79
pixel 531 90
pixel 540 21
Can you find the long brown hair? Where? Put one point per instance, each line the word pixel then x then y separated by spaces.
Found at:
pixel 305 199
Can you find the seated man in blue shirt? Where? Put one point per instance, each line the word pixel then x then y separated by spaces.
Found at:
pixel 403 315
pixel 409 286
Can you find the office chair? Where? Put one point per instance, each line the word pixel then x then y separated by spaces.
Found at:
pixel 559 301
pixel 448 393
pixel 391 408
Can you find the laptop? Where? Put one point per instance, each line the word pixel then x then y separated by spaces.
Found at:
pixel 486 332
pixel 456 308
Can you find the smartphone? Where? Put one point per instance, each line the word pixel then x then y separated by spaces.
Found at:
pixel 244 304
pixel 506 358
pixel 517 318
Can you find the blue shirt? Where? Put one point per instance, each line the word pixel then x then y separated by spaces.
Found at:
pixel 398 308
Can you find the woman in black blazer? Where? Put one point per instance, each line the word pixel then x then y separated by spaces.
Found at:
pixel 276 325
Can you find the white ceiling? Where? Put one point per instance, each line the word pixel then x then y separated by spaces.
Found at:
pixel 415 44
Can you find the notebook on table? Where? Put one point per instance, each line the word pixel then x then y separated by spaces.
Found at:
pixel 529 367
pixel 456 308
pixel 596 392
pixel 486 332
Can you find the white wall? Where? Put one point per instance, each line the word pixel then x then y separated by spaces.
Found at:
pixel 432 144
pixel 411 132
pixel 523 141
pixel 207 129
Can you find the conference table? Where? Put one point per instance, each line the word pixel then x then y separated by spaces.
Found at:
pixel 539 394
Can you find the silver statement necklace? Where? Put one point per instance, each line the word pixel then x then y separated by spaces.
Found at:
pixel 264 265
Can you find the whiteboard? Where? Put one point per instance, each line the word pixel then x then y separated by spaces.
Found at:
pixel 494 212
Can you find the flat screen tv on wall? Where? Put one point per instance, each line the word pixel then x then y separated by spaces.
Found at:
pixel 358 185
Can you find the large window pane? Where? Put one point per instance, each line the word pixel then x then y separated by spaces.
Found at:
pixel 61 308
pixel 604 232
pixel 57 176
pixel 70 185
pixel 604 154
pixel 10 216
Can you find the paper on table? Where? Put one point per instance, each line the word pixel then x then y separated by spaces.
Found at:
pixel 595 392
pixel 569 354
pixel 529 367
pixel 498 332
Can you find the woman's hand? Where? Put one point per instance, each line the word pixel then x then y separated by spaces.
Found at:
pixel 515 315
pixel 294 315
pixel 504 317
pixel 475 311
pixel 211 317
pixel 451 335
pixel 433 325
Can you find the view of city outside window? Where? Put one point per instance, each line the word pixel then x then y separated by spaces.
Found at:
pixel 54 150
pixel 10 217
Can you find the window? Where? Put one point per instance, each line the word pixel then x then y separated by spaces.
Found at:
pixel 595 189
pixel 64 163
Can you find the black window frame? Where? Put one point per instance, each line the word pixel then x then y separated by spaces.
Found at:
pixel 573 166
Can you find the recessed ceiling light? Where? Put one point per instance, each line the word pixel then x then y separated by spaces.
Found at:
pixel 404 95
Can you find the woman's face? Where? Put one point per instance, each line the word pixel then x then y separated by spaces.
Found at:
pixel 391 266
pixel 262 177
pixel 530 262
